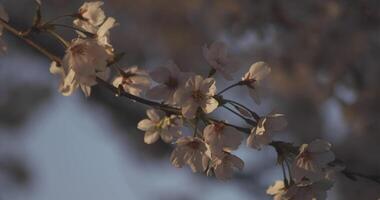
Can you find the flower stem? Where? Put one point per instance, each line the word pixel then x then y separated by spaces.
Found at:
pixel 30 42
pixel 229 87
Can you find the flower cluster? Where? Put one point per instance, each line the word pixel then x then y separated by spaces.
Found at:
pixel 311 174
pixel 186 99
pixel 86 58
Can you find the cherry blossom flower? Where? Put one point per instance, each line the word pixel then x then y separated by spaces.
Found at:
pixel 91 16
pixel 262 134
pixel 217 57
pixel 190 151
pixel 68 83
pixel 300 191
pixel 159 125
pixel 170 80
pixel 312 160
pixel 133 80
pixel 86 58
pixel 221 137
pixel 223 165
pixel 198 93
pixel 4 16
pixel 257 72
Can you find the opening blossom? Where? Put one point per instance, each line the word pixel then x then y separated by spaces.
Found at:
pixel 198 93
pixel 133 80
pixel 217 57
pixel 85 60
pixel 262 134
pixel 170 80
pixel 90 16
pixel 300 191
pixel 190 151
pixel 257 72
pixel 4 16
pixel 161 126
pixel 220 137
pixel 312 161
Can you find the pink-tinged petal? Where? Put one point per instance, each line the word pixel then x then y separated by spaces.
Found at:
pixel 208 87
pixel 86 90
pixel 106 26
pixel 181 96
pixel 231 138
pixel 117 81
pixel 209 133
pixel 209 105
pixel 236 162
pixel 159 92
pixel 146 125
pixel 194 82
pixel 259 71
pixel 322 159
pixel 173 68
pixel 155 115
pixel 160 74
pixel 104 75
pixel 177 157
pixel 196 162
pixel 258 141
pixel 189 109
pixel 151 137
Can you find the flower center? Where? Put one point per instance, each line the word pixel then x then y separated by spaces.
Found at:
pixel 78 50
pixel 193 145
pixel 305 156
pixel 197 95
pixel 218 127
pixel 172 83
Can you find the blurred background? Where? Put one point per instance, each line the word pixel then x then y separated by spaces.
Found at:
pixel 324 56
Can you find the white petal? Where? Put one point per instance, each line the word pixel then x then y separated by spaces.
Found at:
pixel 209 105
pixel 146 125
pixel 160 74
pixel 190 109
pixel 159 92
pixel 155 115
pixel 151 137
pixel 208 87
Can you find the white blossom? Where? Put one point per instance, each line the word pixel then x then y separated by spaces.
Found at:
pixel 300 191
pixel 217 57
pixel 133 80
pixel 86 58
pixel 84 61
pixel 4 16
pixel 221 137
pixel 91 16
pixel 257 72
pixel 161 126
pixel 190 151
pixel 311 162
pixel 223 165
pixel 262 134
pixel 170 80
pixel 198 93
